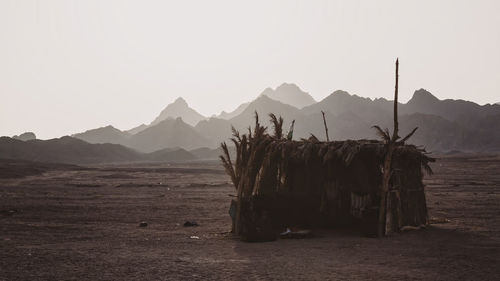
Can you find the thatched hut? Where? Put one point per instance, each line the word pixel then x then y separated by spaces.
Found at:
pixel 280 183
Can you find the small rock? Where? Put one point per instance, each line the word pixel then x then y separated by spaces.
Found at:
pixel 143 224
pixel 190 223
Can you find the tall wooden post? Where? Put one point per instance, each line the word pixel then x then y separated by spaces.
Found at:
pixel 395 132
pixel 326 127
pixel 387 164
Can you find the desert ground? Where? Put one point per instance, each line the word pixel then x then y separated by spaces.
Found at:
pixel 82 223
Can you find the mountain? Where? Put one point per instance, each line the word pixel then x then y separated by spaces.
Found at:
pixel 290 94
pixel 137 129
pixel 215 129
pixel 236 112
pixel 439 134
pixel 340 127
pixel 455 110
pixel 341 102
pixel 444 125
pixel 70 150
pixel 108 134
pixel 65 150
pixel 25 136
pixel 205 153
pixel 168 133
pixel 179 108
pixel 264 105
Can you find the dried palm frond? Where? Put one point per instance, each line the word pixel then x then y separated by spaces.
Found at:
pixel 313 138
pixel 278 125
pixel 384 135
pixel 249 133
pixel 402 141
pixel 226 162
pixel 348 151
pixel 290 131
pixel 235 133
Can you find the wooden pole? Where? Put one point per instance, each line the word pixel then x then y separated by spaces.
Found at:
pixel 387 164
pixel 326 127
pixel 396 125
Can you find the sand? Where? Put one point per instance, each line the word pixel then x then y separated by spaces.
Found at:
pixel 75 224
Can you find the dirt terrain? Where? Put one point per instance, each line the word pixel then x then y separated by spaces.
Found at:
pixel 74 224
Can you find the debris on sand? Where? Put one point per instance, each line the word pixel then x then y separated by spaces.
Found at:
pixel 9 212
pixel 190 223
pixel 410 228
pixel 296 234
pixel 143 224
pixel 194 237
pixel 434 220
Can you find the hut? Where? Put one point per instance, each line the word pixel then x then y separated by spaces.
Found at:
pixel 373 184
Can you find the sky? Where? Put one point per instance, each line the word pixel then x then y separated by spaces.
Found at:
pixel 69 66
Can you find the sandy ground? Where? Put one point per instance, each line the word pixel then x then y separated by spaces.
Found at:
pixel 74 224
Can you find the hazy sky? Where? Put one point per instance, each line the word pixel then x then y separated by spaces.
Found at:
pixel 69 66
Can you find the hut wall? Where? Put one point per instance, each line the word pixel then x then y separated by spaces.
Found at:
pixel 408 180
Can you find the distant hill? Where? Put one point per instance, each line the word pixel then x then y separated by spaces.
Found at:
pixel 172 155
pixel 108 134
pixel 137 129
pixel 236 112
pixel 168 133
pixel 205 153
pixel 290 94
pixel 70 150
pixel 25 136
pixel 65 150
pixel 179 108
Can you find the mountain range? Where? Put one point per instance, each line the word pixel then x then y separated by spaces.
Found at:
pixel 71 150
pixel 444 125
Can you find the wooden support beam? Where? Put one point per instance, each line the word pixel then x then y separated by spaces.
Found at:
pixel 382 219
pixel 326 127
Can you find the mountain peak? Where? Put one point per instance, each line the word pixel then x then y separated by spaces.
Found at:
pixel 267 91
pixel 290 94
pixel 288 87
pixel 25 136
pixel 341 93
pixel 424 96
pixel 264 97
pixel 179 108
pixel 180 101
